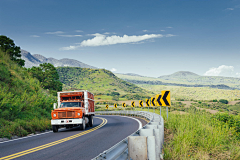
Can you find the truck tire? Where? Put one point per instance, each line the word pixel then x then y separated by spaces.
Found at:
pixel 90 121
pixel 82 126
pixel 55 129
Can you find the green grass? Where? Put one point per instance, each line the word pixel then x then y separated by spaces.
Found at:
pixel 197 136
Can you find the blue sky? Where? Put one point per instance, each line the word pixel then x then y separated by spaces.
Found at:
pixel 150 38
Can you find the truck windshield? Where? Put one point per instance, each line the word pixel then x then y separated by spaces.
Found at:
pixel 70 104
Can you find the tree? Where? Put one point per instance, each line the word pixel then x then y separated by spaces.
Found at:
pixel 7 45
pixel 47 74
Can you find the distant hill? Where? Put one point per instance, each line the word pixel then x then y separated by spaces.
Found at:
pixel 180 74
pixel 132 74
pixel 36 59
pixel 186 79
pixel 98 81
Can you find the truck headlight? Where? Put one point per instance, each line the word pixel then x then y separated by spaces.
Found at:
pixel 54 115
pixel 78 114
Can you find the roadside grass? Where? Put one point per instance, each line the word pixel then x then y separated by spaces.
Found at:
pixel 22 128
pixel 197 135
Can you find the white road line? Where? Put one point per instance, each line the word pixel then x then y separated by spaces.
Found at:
pixel 140 123
pixel 26 137
pixel 29 136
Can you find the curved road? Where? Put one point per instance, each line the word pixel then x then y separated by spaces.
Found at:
pixel 72 143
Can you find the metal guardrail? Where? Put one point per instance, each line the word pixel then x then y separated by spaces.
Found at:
pixel 120 150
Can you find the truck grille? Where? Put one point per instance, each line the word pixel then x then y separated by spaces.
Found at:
pixel 69 114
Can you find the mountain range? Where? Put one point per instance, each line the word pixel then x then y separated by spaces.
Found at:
pixel 36 59
pixel 181 78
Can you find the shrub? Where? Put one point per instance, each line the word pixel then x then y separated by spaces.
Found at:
pixel 223 101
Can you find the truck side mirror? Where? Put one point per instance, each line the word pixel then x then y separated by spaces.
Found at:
pixel 54 105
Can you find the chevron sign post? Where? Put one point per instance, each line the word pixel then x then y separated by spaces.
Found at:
pixel 133 104
pixel 153 103
pixel 141 104
pixel 147 104
pixel 158 97
pixel 166 100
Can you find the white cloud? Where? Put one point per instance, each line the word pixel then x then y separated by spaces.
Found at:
pixel 230 9
pixel 69 48
pixel 223 70
pixel 78 31
pixel 169 27
pixel 106 33
pixel 102 40
pixel 163 30
pixel 57 32
pixel 35 36
pixel 70 35
pixel 145 30
pixel 170 35
pixel 113 70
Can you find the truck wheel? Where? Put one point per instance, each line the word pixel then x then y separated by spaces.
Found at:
pixel 82 126
pixel 55 128
pixel 90 121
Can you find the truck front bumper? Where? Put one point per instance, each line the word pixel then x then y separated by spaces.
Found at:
pixel 66 121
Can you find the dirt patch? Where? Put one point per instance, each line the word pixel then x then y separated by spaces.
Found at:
pixel 208 110
pixel 233 102
pixel 187 103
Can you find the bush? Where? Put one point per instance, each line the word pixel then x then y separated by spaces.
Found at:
pixel 223 101
pixel 215 100
pixel 114 94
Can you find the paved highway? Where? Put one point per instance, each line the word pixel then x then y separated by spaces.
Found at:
pixel 72 143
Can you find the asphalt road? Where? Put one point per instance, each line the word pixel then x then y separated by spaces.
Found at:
pixel 72 143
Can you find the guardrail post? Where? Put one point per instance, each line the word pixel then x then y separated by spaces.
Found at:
pixel 137 148
pixel 151 147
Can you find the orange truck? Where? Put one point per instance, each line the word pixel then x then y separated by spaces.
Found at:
pixel 75 108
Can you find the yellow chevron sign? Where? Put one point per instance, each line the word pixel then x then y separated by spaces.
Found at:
pixel 147 103
pixel 140 103
pixel 115 105
pixel 165 98
pixel 123 105
pixel 153 101
pixel 158 102
pixel 133 104
pixel 106 106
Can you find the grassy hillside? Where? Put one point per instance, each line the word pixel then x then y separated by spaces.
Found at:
pixel 24 106
pixel 194 93
pixel 103 83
